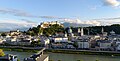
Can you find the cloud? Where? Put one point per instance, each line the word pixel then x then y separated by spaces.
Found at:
pixel 28 21
pixel 117 18
pixel 15 12
pixel 24 24
pixel 77 21
pixel 49 17
pixel 94 22
pixel 113 3
pixel 109 21
pixel 22 13
pixel 82 23
pixel 7 25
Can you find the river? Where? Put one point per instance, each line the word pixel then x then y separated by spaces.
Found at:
pixel 67 57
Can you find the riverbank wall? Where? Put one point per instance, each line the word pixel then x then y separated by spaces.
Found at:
pixel 65 51
pixel 20 49
pixel 84 52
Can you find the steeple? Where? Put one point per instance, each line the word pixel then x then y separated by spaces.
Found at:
pixel 102 30
pixel 65 34
pixel 88 31
pixel 79 30
pixel 69 30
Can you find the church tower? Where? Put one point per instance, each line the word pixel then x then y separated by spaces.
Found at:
pixel 69 30
pixel 79 30
pixel 82 31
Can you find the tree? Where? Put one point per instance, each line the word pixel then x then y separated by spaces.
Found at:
pixel 40 31
pixel 59 60
pixel 53 29
pixel 50 60
pixel 96 60
pixel 18 60
pixel 79 60
pixel 75 44
pixel 3 34
pixel 30 33
pixel 1 53
pixel 36 43
pixel 115 25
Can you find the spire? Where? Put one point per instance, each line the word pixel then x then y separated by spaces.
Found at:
pixel 69 30
pixel 79 30
pixel 88 31
pixel 65 34
pixel 102 30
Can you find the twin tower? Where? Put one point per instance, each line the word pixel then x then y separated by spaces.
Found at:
pixel 80 31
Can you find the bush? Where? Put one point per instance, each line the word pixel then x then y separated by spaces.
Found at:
pixel 59 60
pixel 96 60
pixel 79 60
pixel 18 60
pixel 1 53
pixel 50 60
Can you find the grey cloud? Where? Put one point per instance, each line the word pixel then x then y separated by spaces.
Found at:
pixel 113 3
pixel 8 25
pixel 108 18
pixel 16 12
pixel 28 21
pixel 12 26
pixel 22 13
pixel 51 17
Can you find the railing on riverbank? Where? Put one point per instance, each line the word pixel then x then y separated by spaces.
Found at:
pixel 20 47
pixel 85 52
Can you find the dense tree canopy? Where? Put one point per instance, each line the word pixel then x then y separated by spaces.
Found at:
pixel 3 34
pixel 46 31
pixel 53 29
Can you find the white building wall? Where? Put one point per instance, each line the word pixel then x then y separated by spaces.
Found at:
pixel 60 39
pixel 86 45
pixel 83 44
pixel 105 45
pixel 118 47
pixel 45 41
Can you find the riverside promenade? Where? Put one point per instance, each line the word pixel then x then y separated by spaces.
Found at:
pixel 68 51
pixel 84 52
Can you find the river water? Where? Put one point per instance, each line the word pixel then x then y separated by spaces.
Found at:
pixel 67 57
pixel 20 55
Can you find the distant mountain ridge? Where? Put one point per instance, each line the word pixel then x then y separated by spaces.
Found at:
pixel 6 27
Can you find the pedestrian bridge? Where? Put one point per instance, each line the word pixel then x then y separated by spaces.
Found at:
pixel 38 56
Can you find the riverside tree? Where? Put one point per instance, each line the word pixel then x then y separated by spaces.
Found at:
pixel 1 53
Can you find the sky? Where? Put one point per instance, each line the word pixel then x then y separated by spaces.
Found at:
pixel 28 13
